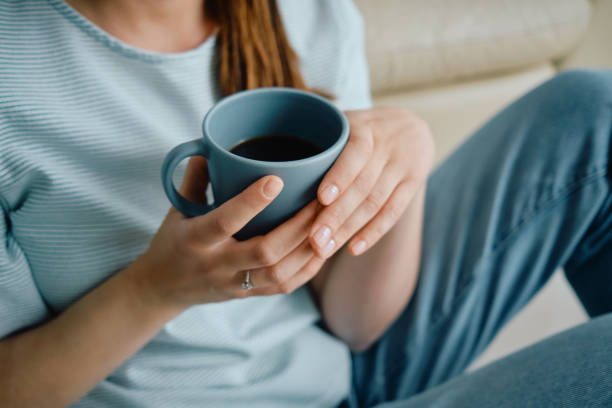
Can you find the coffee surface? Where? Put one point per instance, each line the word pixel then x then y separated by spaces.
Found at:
pixel 276 148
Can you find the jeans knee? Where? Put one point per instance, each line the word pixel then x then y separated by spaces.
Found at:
pixel 563 126
pixel 586 88
pixel 574 109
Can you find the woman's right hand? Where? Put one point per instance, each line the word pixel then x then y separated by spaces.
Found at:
pixel 196 260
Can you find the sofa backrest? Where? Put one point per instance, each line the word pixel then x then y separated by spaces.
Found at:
pixel 415 43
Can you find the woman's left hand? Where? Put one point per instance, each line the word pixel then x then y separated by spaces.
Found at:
pixel 387 159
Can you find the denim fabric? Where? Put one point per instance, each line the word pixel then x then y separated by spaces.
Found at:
pixel 527 193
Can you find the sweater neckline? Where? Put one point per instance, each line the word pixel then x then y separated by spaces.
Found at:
pixel 119 46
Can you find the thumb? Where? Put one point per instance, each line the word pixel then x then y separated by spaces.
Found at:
pixel 195 181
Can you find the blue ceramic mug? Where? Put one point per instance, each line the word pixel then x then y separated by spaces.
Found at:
pixel 248 114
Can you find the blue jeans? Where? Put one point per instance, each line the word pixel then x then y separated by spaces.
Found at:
pixel 526 194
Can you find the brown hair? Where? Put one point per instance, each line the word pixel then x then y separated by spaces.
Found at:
pixel 252 48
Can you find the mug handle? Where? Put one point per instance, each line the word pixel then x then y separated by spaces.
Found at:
pixel 176 155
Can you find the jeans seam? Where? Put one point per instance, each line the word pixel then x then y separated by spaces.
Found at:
pixel 561 194
pixel 540 208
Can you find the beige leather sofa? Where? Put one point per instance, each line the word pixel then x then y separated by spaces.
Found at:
pixel 457 62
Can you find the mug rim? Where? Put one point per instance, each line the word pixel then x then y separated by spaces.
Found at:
pixel 341 140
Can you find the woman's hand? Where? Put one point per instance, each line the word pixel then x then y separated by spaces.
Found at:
pixel 386 160
pixel 196 260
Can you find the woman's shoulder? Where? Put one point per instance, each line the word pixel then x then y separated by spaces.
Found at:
pixel 32 58
pixel 19 18
pixel 328 36
pixel 309 17
pixel 29 33
pixel 318 25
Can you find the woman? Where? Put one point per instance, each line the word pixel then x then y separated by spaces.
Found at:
pixel 104 302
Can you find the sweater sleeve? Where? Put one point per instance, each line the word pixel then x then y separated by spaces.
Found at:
pixel 354 82
pixel 329 39
pixel 21 304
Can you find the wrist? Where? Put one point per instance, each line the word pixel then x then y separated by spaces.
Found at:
pixel 144 295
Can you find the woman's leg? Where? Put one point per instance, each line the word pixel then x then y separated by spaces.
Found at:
pixel 529 192
pixel 571 369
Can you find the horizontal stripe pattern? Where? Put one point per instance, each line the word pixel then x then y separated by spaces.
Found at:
pixel 85 122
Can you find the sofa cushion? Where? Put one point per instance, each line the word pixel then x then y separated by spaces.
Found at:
pixel 412 43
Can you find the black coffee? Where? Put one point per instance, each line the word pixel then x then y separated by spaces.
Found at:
pixel 276 147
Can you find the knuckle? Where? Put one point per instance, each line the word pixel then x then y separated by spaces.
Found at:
pixel 412 120
pixel 265 254
pixel 363 184
pixel 361 138
pixel 404 113
pixel 223 226
pixel 410 180
pixel 276 274
pixel 366 143
pixel 399 112
pixel 421 129
pixel 286 288
pixel 373 202
pixel 394 212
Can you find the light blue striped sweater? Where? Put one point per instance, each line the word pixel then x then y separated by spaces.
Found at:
pixel 85 122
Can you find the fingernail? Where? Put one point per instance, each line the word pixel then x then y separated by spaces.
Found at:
pixel 328 248
pixel 359 247
pixel 329 194
pixel 322 236
pixel 272 187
